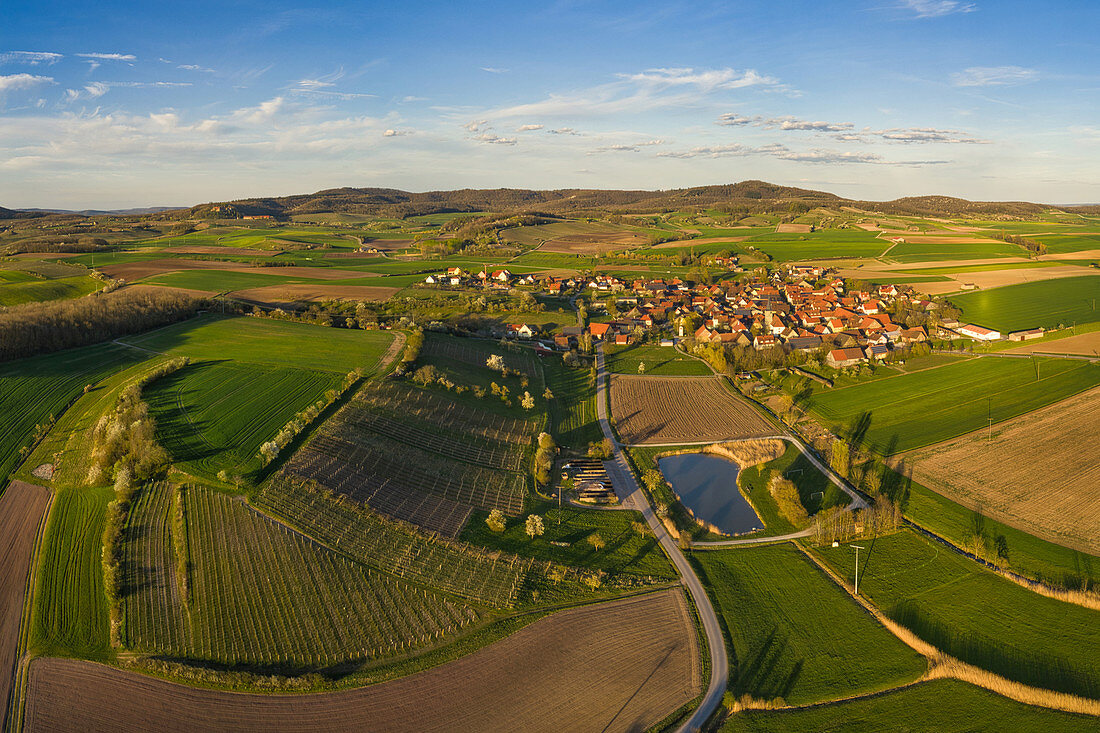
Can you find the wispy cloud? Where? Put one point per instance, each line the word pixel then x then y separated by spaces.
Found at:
pixel 563 131
pixel 993 76
pixel 476 125
pixel 15 82
pixel 494 70
pixel 704 79
pixel 936 8
pixel 31 58
pixel 928 135
pixel 391 132
pixel 196 67
pixel 627 147
pixel 108 56
pixel 490 138
pixel 93 90
pixel 782 152
pixel 528 128
pixel 847 132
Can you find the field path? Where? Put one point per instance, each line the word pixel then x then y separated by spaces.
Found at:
pixel 630 494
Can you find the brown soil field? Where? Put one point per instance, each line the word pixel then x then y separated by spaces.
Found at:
pixel 700 240
pixel 389 245
pixel 275 295
pixel 1039 473
pixel 202 249
pixel 617 666
pixel 681 410
pixel 868 227
pixel 793 229
pixel 1090 255
pixel 927 239
pixel 21 509
pixel 131 271
pixel 1087 344
pixel 584 243
pixel 1000 278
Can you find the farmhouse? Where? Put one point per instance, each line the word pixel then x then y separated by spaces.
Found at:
pixel 840 358
pixel 1033 333
pixel 978 333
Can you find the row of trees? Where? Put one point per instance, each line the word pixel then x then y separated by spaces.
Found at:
pixel 39 328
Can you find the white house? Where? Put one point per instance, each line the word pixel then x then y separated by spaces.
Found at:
pixel 978 333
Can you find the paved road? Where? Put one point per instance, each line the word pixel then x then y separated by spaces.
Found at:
pixel 631 496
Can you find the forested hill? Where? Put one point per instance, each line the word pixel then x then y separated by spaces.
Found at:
pixel 746 195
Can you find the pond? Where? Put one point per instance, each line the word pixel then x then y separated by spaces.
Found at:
pixel 707 485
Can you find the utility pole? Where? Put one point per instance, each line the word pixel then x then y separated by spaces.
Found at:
pixel 857 549
pixel 989 415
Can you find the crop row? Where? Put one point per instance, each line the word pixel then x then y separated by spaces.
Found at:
pixel 493 454
pixel 387 461
pixel 428 511
pixel 470 572
pixel 436 410
pixel 265 594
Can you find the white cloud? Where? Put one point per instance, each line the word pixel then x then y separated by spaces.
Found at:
pixel 94 90
pixel 314 84
pixel 476 125
pixel 563 131
pixel 494 70
pixel 413 98
pixel 782 152
pixel 792 123
pixel 706 79
pixel 627 147
pixel 937 8
pixel 490 138
pixel 528 128
pixel 732 119
pixel 14 82
pixel 390 132
pixel 928 135
pixel 196 67
pixel 989 76
pixel 846 132
pixel 108 56
pixel 31 58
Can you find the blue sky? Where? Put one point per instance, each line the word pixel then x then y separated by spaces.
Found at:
pixel 114 104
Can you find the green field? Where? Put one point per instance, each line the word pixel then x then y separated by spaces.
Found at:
pixel 1048 303
pixel 265 341
pixel 70 608
pixel 34 391
pixel 213 416
pixel 819 245
pixel 658 360
pixel 814 489
pixel 915 409
pixel 264 596
pixel 939 706
pixel 216 281
pixel 930 252
pixel 32 290
pixel 792 633
pixel 1070 242
pixel 573 409
pixel 630 549
pixel 1027 554
pixel 975 615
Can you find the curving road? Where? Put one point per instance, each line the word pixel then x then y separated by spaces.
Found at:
pixel 630 493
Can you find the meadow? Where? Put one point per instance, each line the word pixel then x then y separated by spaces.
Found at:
pixel 909 252
pixel 69 616
pixel 975 615
pixel 630 547
pixel 915 409
pixel 573 408
pixel 213 416
pixel 266 341
pixel 1049 303
pixel 658 360
pixel 216 281
pixel 938 706
pixel 33 290
pixel 819 245
pixel 1069 242
pixel 793 634
pixel 36 391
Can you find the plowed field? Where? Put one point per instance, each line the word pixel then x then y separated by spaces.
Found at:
pixel 1039 473
pixel 681 409
pixel 617 666
pixel 21 508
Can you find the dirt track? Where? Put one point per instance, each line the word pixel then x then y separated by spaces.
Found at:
pixel 616 666
pixel 21 509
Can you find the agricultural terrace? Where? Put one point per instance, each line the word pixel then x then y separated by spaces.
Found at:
pixel 35 391
pixel 937 706
pixel 264 595
pixel 658 360
pixel 681 410
pixel 1048 303
pixel 266 341
pixel 362 535
pixel 642 651
pixel 69 617
pixel 213 416
pixel 21 509
pixel 421 456
pixel 573 408
pixel 906 411
pixel 1051 492
pixel 975 615
pixel 793 634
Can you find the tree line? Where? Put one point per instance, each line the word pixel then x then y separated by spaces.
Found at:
pixel 40 328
